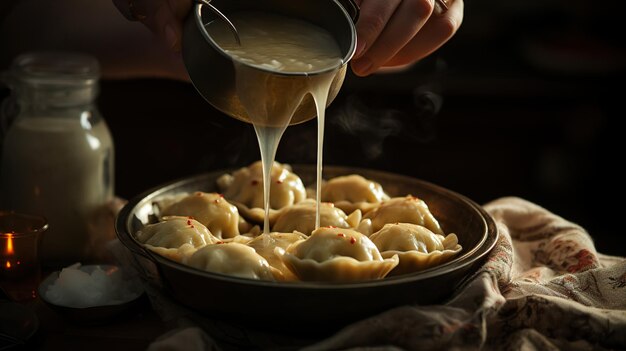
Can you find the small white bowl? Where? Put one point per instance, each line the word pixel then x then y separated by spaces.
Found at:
pixel 95 313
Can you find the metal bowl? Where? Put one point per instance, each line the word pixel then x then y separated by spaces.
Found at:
pixel 304 305
pixel 207 63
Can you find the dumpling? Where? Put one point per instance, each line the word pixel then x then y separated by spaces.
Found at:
pixel 301 217
pixel 417 247
pixel 340 255
pixel 245 186
pixel 234 259
pixel 179 254
pixel 174 231
pixel 210 209
pixel 240 239
pixel 409 209
pixel 353 192
pixel 267 245
pixel 175 237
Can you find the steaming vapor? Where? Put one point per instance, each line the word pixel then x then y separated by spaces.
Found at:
pixel 414 121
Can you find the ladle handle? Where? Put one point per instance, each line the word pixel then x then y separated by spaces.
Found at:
pixel 223 17
pixel 352 8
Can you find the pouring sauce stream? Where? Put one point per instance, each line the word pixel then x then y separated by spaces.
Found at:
pixel 280 44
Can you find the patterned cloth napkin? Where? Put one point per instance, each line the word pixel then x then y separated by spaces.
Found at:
pixel 543 287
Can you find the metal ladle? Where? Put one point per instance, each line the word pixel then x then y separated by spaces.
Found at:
pixel 442 4
pixel 443 7
pixel 213 71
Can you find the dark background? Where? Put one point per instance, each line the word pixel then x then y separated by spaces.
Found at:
pixel 524 101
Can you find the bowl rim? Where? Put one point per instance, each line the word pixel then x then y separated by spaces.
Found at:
pixel 124 220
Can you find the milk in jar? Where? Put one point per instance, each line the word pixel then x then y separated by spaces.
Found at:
pixel 57 152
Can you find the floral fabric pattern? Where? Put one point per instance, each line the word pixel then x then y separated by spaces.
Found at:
pixel 543 287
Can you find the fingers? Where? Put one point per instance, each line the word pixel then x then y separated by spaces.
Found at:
pixel 163 17
pixel 436 32
pixel 180 8
pixel 392 33
pixel 372 20
pixel 174 13
pixel 399 29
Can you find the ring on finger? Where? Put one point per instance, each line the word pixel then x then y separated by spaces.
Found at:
pixel 441 6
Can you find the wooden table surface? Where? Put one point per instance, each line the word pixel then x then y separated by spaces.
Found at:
pixel 132 331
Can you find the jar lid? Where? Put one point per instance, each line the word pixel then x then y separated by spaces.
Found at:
pixel 56 68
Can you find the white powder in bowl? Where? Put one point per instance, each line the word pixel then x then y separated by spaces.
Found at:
pixel 89 286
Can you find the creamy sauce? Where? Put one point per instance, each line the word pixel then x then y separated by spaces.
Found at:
pixel 279 44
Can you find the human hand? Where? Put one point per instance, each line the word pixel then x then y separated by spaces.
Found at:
pixel 163 17
pixel 389 32
pixel 400 32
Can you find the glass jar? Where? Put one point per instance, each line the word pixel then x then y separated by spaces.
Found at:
pixel 57 154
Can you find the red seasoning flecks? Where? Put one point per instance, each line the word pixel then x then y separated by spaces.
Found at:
pixel 352 240
pixel 341 235
pixel 279 181
pixel 254 182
